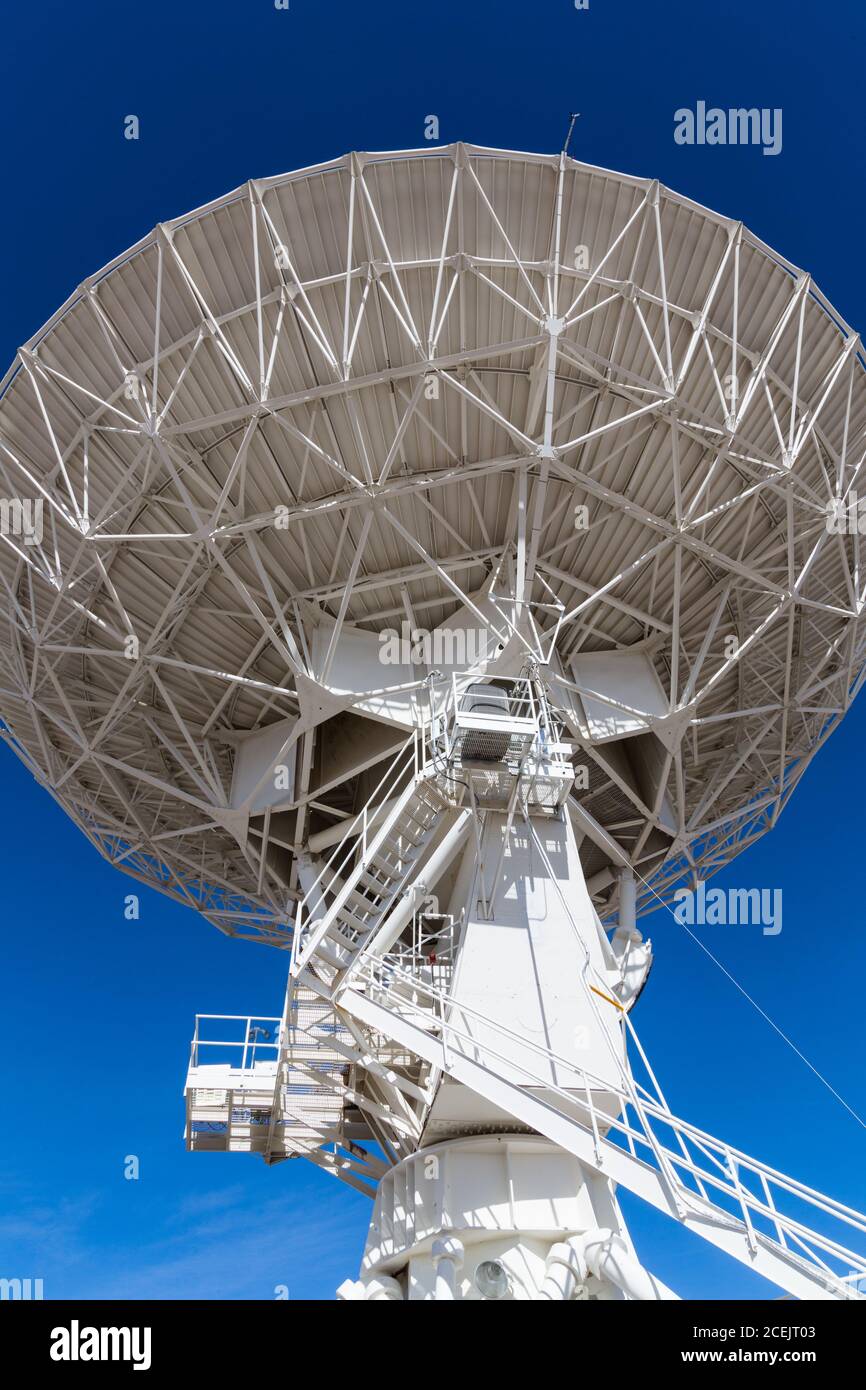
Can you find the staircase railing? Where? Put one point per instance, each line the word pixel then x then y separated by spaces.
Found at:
pixel 426 753
pixel 699 1166
pixel 338 866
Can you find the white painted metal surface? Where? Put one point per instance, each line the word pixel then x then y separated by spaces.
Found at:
pixel 581 439
pixel 481 342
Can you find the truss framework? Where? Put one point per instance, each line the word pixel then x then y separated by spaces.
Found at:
pixel 358 392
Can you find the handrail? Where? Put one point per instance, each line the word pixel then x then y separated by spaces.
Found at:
pixel 695 1162
pixel 826 1204
pixel 246 1043
pixel 732 1186
pixel 349 835
pixel 660 1111
pixel 426 729
pixel 307 944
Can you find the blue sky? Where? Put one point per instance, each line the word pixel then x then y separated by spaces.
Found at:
pixel 96 1012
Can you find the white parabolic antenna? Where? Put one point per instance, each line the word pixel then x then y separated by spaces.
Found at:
pixel 421 563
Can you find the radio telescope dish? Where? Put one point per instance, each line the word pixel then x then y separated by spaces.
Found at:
pixel 529 462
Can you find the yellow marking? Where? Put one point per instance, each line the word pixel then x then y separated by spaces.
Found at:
pixel 607 997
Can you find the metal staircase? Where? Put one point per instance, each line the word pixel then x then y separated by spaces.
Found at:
pixel 372 1031
pixel 370 876
pixel 738 1204
pixel 297 1101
